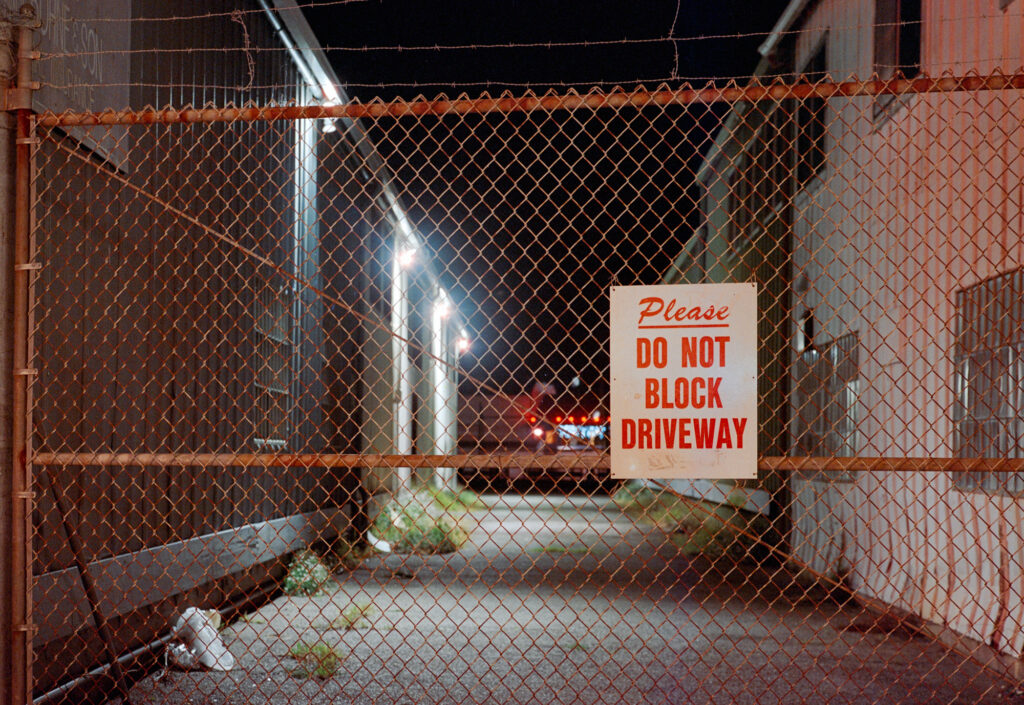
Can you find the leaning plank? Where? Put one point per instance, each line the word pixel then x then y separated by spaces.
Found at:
pixel 127 582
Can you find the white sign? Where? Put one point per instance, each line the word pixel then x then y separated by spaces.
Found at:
pixel 684 381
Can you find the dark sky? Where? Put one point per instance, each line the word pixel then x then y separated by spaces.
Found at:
pixel 460 22
pixel 530 218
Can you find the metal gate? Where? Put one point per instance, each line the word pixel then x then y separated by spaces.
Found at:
pixel 337 377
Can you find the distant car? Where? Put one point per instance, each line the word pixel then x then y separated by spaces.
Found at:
pixel 576 430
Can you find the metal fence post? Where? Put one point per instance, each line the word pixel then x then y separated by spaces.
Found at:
pixel 19 100
pixel 7 130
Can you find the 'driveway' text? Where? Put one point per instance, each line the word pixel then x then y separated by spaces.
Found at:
pixel 683 433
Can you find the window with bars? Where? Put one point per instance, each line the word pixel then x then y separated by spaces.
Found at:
pixel 811 119
pixel 826 395
pixel 273 349
pixel 897 46
pixel 988 361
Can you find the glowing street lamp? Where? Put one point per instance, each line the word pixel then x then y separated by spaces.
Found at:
pixel 405 257
pixel 443 307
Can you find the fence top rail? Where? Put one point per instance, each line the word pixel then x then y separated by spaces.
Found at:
pixel 520 459
pixel 507 103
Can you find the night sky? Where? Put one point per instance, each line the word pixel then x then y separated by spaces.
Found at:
pixel 529 219
pixel 460 22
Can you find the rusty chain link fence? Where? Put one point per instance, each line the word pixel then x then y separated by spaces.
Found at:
pixel 338 378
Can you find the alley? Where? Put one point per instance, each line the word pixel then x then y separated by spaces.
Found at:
pixel 567 599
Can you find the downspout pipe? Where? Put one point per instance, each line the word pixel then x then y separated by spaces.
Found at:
pixel 293 51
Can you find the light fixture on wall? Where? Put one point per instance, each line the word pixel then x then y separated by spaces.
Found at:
pixel 443 306
pixel 406 257
pixel 462 343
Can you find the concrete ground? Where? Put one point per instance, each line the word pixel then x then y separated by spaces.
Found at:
pixel 567 600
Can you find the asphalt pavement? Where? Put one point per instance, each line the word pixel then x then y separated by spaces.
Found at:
pixel 565 599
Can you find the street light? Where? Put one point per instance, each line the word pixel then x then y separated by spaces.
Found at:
pixel 443 306
pixel 405 257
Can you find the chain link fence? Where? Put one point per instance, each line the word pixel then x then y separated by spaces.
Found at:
pixel 338 378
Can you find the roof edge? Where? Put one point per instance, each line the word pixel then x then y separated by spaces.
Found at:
pixel 787 18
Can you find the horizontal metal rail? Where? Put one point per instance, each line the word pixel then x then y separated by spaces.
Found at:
pixel 523 460
pixel 687 95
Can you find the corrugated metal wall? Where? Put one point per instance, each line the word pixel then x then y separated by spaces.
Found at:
pixel 144 302
pixel 915 204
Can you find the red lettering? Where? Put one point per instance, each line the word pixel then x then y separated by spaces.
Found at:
pixel 721 340
pixel 704 430
pixel 643 353
pixel 713 398
pixel 701 351
pixel 707 352
pixel 643 434
pixel 655 307
pixel 651 352
pixel 682 393
pixel 724 439
pixel 628 433
pixel 689 347
pixel 650 393
pixel 698 400
pixel 684 433
pixel 670 432
pixel 739 425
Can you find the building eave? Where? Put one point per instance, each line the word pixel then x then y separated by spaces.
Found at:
pixel 786 20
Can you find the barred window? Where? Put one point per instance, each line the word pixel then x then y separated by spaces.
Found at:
pixel 826 396
pixel 988 361
pixel 897 46
pixel 811 119
pixel 897 38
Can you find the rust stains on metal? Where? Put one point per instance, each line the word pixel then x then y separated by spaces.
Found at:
pixel 686 95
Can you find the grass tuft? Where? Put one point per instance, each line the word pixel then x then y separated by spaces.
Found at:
pixel 419 526
pixel 464 501
pixel 698 528
pixel 556 549
pixel 307 576
pixel 318 660
pixel 358 615
pixel 348 555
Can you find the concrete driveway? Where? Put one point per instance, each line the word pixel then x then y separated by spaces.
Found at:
pixel 563 599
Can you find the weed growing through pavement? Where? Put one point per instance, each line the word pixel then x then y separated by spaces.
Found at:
pixel 419 525
pixel 463 501
pixel 308 575
pixel 348 555
pixel 317 660
pixel 252 619
pixel 358 615
pixel 575 645
pixel 697 527
pixel 557 550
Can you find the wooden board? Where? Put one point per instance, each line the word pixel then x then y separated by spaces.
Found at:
pixel 130 581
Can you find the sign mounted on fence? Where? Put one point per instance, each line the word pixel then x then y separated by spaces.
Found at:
pixel 684 381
